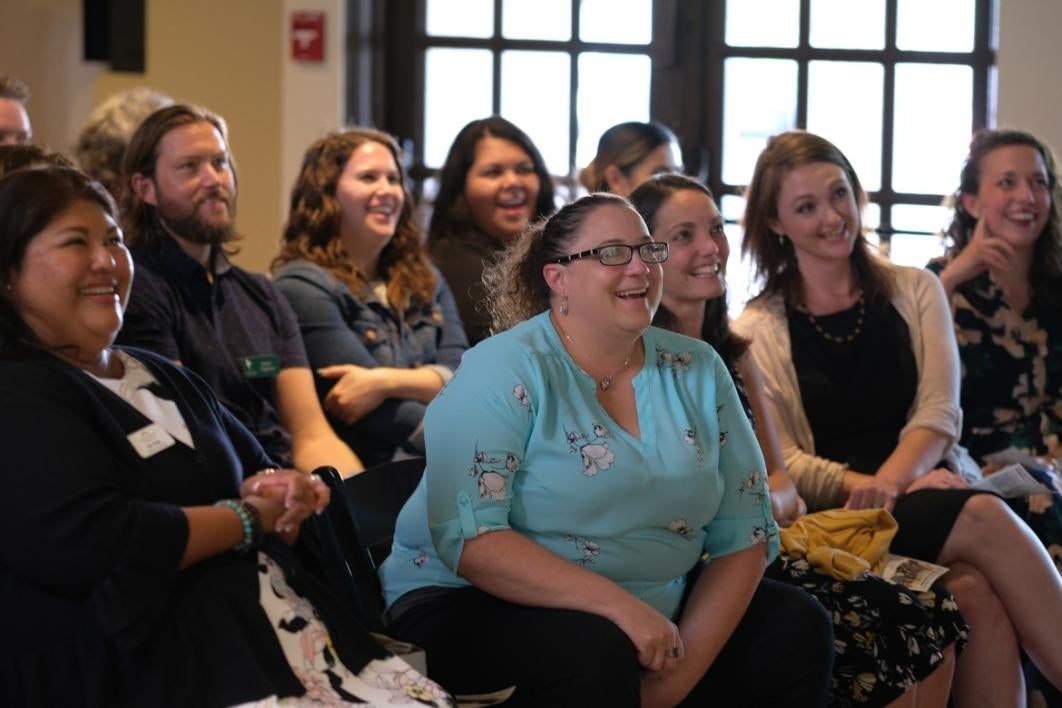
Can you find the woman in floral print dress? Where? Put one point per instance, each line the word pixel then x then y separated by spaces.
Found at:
pixel 1003 276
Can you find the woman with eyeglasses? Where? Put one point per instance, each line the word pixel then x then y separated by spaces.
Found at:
pixel 580 464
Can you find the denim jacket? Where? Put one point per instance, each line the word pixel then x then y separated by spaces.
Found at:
pixel 339 327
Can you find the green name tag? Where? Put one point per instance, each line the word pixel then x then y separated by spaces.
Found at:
pixel 263 366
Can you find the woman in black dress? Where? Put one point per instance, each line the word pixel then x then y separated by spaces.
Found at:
pixel 862 379
pixel 892 644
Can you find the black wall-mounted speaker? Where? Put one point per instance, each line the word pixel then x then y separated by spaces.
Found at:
pixel 114 32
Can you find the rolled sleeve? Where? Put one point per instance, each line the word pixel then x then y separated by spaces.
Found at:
pixel 477 433
pixel 744 516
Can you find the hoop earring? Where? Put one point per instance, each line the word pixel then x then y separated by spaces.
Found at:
pixel 563 306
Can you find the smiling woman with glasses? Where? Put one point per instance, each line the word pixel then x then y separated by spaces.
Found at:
pixel 618 254
pixel 579 464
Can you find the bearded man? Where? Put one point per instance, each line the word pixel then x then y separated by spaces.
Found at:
pixel 192 304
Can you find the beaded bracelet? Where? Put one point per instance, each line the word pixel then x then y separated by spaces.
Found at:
pixel 251 521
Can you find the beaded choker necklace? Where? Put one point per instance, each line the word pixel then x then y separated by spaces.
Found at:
pixel 606 381
pixel 843 339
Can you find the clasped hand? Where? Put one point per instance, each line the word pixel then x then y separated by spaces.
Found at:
pixel 356 393
pixel 285 498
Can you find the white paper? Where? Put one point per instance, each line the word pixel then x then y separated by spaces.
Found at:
pixel 1012 456
pixel 913 574
pixel 1011 481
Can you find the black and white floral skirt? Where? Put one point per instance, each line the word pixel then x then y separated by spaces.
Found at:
pixel 887 637
pixel 308 648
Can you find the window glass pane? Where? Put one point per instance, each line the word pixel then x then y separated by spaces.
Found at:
pixel 872 216
pixel 732 207
pixel 549 73
pixel 914 250
pixel 745 26
pixel 845 107
pixel 457 89
pixel 933 120
pixel 542 19
pixel 922 218
pixel 843 24
pixel 741 283
pixel 759 100
pixel 940 25
pixel 613 88
pixel 459 18
pixel 618 21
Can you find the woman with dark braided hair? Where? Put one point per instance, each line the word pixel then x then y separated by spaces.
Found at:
pixel 379 322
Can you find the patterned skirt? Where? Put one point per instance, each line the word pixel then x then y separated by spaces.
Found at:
pixel 887 638
pixel 308 648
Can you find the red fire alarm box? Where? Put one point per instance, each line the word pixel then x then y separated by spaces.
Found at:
pixel 307 36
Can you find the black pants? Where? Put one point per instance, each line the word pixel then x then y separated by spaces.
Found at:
pixel 781 653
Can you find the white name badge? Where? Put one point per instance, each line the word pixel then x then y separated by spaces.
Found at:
pixel 150 440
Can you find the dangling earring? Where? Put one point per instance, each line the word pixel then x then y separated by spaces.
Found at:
pixel 564 307
pixel 781 240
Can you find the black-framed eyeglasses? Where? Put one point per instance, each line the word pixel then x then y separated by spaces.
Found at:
pixel 618 254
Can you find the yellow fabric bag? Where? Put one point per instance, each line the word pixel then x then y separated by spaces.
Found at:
pixel 842 543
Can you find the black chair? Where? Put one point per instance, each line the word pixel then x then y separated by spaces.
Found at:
pixel 363 512
pixel 376 496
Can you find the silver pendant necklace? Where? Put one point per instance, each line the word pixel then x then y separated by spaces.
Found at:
pixel 606 381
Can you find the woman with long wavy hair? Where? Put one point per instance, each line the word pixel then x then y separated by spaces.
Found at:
pixel 379 322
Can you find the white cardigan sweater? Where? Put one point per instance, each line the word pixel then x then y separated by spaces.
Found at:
pixel 921 301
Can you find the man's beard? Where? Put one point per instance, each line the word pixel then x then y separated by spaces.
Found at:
pixel 187 223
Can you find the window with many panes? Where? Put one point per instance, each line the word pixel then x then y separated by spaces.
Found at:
pixel 562 70
pixel 898 85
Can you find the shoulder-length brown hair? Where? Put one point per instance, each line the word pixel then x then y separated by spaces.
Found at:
pixel 773 257
pixel 647 199
pixel 312 230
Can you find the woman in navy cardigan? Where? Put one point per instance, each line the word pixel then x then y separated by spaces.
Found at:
pixel 149 546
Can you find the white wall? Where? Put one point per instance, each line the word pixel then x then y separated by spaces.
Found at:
pixel 311 94
pixel 1030 53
